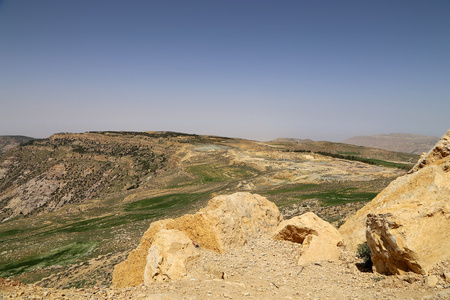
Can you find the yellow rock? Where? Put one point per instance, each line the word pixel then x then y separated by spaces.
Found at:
pixel 228 221
pixel 168 255
pixel 319 239
pixel 407 224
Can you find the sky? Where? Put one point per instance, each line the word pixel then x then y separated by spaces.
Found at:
pixel 255 69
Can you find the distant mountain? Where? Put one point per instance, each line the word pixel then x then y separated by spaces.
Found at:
pixel 399 142
pixel 10 141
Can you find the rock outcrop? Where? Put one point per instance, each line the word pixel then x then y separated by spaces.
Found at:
pixel 168 255
pixel 227 222
pixel 320 240
pixel 436 155
pixel 408 222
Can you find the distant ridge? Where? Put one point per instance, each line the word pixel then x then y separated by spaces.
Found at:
pixel 291 140
pixel 398 142
pixel 10 141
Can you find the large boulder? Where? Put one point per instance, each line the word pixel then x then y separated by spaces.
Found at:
pixel 413 235
pixel 406 225
pixel 131 271
pixel 320 240
pixel 168 255
pixel 226 222
pixel 411 187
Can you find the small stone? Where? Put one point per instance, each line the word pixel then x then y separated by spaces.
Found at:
pixel 431 281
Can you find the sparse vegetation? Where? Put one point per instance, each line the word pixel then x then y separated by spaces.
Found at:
pixel 301 187
pixel 363 252
pixel 208 173
pixel 60 256
pixel 371 161
pixel 339 196
pixel 163 203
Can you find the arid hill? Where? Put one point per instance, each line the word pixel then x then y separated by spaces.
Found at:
pixel 399 142
pixel 10 141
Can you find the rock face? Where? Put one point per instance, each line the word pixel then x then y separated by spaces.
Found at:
pixel 168 256
pixel 408 222
pixel 227 222
pixel 436 155
pixel 319 239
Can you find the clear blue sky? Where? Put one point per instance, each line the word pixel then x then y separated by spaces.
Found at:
pixel 325 70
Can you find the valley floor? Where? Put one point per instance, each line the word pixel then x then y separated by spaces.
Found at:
pixel 262 269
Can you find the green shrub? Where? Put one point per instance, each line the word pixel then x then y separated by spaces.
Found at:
pixel 363 252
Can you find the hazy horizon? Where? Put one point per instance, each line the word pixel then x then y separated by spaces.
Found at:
pixel 258 70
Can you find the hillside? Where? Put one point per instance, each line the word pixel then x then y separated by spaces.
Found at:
pixel 10 141
pixel 398 142
pixel 86 199
pixel 347 151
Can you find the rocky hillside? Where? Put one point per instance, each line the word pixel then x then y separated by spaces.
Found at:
pixel 44 175
pixel 398 142
pixel 10 141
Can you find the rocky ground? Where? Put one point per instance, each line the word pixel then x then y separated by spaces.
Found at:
pixel 262 269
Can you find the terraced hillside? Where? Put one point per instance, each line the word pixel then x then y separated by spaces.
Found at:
pixel 73 205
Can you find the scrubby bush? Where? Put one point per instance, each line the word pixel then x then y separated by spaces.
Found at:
pixel 363 252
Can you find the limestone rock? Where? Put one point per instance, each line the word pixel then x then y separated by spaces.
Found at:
pixel 319 239
pixel 131 271
pixel 436 155
pixel 408 230
pixel 168 255
pixel 425 189
pixel 228 221
pixel 239 217
pixel 412 233
pixel 408 222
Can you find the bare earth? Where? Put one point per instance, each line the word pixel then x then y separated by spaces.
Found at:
pixel 262 269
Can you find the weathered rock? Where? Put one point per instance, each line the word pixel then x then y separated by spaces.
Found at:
pixel 228 221
pixel 408 222
pixel 436 155
pixel 168 255
pixel 131 271
pixel 411 234
pixel 239 217
pixel 319 239
pixel 425 189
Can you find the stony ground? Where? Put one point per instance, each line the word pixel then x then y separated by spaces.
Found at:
pixel 262 269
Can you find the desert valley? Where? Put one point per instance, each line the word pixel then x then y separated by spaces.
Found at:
pixel 166 215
